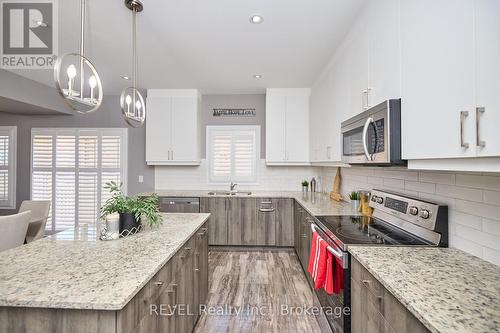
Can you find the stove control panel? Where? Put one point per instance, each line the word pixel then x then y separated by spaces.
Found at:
pixel 419 212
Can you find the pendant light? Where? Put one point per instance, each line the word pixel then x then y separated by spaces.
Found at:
pixel 131 100
pixel 80 87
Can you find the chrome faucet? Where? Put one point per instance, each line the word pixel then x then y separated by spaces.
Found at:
pixel 232 186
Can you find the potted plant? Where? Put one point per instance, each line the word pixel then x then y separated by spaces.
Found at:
pixel 305 186
pixel 132 210
pixel 354 197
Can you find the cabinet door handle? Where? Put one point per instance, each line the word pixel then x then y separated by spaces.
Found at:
pixel 266 210
pixel 158 283
pixel 266 202
pixel 203 232
pixel 368 104
pixel 479 112
pixel 364 98
pixel 463 115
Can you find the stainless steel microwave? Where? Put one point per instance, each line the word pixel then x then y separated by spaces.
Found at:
pixel 374 136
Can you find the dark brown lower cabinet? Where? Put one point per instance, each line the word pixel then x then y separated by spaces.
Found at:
pixel 167 303
pixel 375 309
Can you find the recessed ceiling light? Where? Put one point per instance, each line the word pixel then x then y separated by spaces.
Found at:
pixel 257 76
pixel 125 77
pixel 256 19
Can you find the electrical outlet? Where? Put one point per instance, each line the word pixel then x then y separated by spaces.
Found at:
pixel 141 179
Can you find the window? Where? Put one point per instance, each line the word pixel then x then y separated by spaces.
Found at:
pixel 232 152
pixel 8 153
pixel 70 167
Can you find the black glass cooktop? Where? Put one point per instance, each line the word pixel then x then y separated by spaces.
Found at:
pixel 365 230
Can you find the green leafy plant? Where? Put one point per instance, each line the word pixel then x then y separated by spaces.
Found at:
pixel 142 207
pixel 305 183
pixel 354 195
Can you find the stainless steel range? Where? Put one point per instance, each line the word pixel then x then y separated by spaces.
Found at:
pixel 397 220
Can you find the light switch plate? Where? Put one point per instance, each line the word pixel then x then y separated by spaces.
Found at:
pixel 141 179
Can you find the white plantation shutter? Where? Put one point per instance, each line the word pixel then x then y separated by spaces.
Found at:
pixel 70 168
pixel 233 152
pixel 8 153
pixel 221 157
pixel 244 155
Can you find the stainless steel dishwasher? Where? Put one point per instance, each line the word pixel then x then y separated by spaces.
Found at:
pixel 179 205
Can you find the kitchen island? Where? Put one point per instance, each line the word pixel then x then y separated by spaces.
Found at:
pixel 74 282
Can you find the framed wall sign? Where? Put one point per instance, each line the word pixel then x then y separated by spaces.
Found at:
pixel 234 113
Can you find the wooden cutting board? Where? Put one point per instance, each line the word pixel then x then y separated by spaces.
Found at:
pixel 335 193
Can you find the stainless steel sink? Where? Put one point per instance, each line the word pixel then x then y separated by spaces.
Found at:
pixel 229 193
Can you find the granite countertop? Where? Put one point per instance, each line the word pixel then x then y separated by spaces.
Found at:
pixel 75 270
pixel 447 289
pixel 315 203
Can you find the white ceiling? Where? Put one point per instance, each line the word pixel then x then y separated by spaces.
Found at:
pixel 208 44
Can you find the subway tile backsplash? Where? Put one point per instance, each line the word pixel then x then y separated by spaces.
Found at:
pixel 473 200
pixel 268 178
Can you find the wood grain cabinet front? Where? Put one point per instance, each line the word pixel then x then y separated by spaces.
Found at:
pixel 237 221
pixel 275 222
pixel 217 207
pixel 375 309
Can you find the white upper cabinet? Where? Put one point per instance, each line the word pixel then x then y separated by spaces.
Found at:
pixel 450 80
pixel 275 127
pixel 364 72
pixel 487 18
pixel 437 105
pixel 158 137
pixel 384 51
pixel 287 126
pixel 358 63
pixel 373 56
pixel 173 127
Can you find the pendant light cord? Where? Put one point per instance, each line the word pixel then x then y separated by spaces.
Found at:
pixel 82 45
pixel 134 54
pixel 134 47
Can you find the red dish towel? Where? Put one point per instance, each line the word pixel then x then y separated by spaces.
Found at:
pixel 312 255
pixel 334 282
pixel 320 276
pixel 317 261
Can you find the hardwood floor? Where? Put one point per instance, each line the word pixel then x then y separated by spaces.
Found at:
pixel 259 284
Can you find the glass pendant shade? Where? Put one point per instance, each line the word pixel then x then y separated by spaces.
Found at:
pixel 76 78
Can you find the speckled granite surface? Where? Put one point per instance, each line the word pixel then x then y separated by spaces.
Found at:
pixel 80 272
pixel 447 289
pixel 315 203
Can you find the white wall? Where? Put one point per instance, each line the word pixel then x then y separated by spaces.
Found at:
pixel 268 178
pixel 473 200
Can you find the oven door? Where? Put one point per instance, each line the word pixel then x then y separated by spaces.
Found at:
pixel 365 138
pixel 334 306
